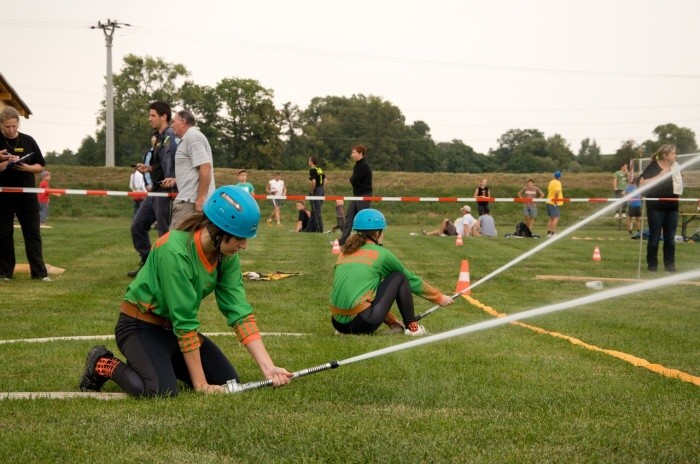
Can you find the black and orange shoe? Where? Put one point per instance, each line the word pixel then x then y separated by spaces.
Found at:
pixel 91 380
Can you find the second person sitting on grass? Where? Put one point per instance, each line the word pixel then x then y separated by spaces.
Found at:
pixel 368 280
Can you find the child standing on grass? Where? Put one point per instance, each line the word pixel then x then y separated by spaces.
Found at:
pixel 158 328
pixel 368 279
pixel 243 182
pixel 43 198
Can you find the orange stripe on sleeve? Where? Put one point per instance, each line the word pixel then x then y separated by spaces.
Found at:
pixel 246 329
pixel 189 341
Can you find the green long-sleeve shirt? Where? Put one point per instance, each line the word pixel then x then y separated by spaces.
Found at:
pixel 176 278
pixel 357 277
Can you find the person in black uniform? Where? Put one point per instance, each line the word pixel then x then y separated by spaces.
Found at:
pixel 361 181
pixel 25 206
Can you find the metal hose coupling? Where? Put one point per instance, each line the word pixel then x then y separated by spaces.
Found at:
pixel 232 386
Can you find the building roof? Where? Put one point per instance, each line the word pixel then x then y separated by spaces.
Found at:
pixel 9 97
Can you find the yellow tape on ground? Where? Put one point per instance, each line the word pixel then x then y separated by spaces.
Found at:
pixel 638 362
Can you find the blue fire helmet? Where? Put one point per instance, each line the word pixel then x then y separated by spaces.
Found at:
pixel 557 174
pixel 234 211
pixel 369 219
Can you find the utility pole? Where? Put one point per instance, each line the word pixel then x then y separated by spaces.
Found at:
pixel 108 29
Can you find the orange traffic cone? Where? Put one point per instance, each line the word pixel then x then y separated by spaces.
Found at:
pixel 336 247
pixel 463 281
pixel 458 242
pixel 596 254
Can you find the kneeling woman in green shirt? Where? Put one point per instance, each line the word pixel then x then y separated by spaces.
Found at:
pixel 158 328
pixel 369 278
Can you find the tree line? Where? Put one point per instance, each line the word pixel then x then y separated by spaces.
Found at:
pixel 246 130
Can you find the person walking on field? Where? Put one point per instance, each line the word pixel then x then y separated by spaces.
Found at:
pixel 619 186
pixel 368 279
pixel 529 192
pixel 44 198
pixel 317 180
pixel 634 208
pixel 276 187
pixel 159 322
pixel 162 170
pixel 194 168
pixel 361 181
pixel 555 195
pixel 25 206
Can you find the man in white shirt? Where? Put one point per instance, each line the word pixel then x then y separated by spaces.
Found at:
pixel 465 223
pixel 194 168
pixel 276 187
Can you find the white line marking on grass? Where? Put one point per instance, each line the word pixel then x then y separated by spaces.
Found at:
pixel 60 395
pixel 111 337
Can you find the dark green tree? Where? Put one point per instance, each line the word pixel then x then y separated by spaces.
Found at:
pixel 295 154
pixel 589 155
pixel 141 81
pixel 66 158
pixel 249 124
pixel 558 150
pixel 455 156
pixel 682 137
pixel 628 151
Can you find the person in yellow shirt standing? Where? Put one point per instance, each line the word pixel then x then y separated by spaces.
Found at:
pixel 555 196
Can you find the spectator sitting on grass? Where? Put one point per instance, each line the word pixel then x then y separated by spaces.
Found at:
pixel 485 225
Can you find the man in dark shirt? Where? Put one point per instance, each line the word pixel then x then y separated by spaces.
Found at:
pixel 361 181
pixel 318 181
pixel 25 206
pixel 303 217
pixel 162 168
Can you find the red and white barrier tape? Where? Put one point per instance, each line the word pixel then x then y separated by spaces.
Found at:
pixel 114 193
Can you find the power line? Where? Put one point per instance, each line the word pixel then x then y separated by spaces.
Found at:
pixel 169 34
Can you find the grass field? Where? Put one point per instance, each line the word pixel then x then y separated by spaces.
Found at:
pixel 503 395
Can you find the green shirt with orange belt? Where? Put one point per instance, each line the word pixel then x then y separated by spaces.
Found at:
pixel 175 279
pixel 358 275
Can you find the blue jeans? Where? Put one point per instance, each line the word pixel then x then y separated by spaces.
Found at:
pixel 666 221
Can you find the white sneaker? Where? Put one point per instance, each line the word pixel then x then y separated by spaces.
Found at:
pixel 617 215
pixel 416 333
pixel 624 215
pixel 46 279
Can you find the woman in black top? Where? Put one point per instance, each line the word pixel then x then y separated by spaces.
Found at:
pixel 662 214
pixel 482 191
pixel 25 206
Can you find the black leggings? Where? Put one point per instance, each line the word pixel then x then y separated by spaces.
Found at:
pixel 154 361
pixel 394 288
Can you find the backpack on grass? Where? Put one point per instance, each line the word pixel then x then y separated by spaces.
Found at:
pixel 522 230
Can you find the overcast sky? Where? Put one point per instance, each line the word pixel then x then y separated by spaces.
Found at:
pixel 610 70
